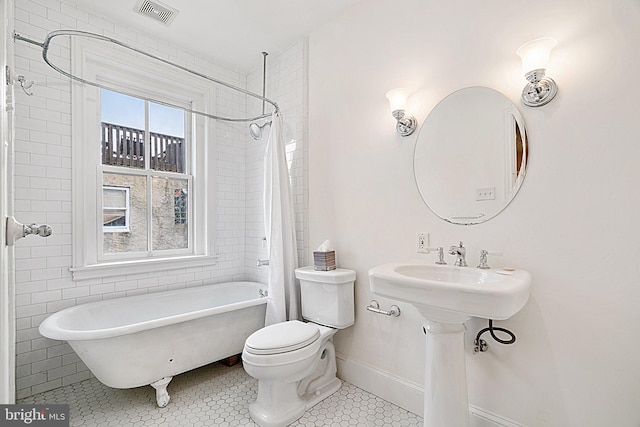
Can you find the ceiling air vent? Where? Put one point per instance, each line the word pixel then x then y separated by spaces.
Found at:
pixel 156 10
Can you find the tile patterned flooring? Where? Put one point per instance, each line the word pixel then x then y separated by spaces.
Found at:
pixel 214 395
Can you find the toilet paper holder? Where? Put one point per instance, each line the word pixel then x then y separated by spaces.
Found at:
pixel 374 307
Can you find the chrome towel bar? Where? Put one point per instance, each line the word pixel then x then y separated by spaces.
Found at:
pixel 375 308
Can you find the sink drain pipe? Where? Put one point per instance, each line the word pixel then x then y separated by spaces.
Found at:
pixel 480 345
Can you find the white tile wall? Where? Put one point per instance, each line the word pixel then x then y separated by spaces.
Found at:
pixel 43 185
pixel 287 85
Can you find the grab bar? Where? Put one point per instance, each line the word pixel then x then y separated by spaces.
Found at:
pixel 262 262
pixel 375 308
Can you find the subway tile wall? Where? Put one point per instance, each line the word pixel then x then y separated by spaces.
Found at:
pixel 286 84
pixel 43 184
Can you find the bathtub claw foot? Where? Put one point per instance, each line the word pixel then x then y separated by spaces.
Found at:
pixel 162 396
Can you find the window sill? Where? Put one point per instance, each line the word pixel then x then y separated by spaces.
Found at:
pixel 122 268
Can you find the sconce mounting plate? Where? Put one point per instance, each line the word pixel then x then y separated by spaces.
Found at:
pixel 540 92
pixel 406 124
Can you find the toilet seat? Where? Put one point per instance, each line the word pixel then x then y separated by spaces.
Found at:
pixel 282 337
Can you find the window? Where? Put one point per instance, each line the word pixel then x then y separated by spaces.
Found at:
pixel 180 205
pixel 115 209
pixel 142 168
pixel 143 147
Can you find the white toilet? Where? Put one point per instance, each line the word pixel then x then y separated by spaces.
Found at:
pixel 295 362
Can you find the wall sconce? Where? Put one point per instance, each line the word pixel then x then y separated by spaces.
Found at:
pixel 535 58
pixel 406 123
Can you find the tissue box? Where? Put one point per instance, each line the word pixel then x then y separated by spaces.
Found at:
pixel 324 261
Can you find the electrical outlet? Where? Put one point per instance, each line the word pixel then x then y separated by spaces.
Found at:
pixel 423 243
pixel 486 193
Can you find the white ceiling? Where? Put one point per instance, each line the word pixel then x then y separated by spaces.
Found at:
pixel 230 32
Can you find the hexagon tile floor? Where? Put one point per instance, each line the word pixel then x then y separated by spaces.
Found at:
pixel 214 395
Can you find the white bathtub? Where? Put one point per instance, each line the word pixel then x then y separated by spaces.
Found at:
pixel 147 339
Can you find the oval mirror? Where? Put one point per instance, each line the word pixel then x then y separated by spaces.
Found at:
pixel 471 156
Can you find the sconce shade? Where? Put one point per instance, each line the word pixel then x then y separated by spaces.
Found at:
pixel 406 124
pixel 397 99
pixel 535 54
pixel 535 59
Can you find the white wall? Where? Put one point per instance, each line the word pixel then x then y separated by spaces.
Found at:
pixel 573 225
pixel 43 180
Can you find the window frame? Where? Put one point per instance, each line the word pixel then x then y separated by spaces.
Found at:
pixel 143 77
pixel 117 228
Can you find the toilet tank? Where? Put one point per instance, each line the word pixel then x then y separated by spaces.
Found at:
pixel 327 296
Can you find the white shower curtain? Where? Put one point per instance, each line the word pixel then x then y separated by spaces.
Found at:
pixel 283 300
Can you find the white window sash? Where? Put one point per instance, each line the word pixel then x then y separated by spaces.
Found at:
pixel 150 252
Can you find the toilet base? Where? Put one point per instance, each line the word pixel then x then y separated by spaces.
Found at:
pixel 322 393
pixel 280 412
pixel 279 403
pixel 268 411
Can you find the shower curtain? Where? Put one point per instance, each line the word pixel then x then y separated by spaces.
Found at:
pixel 283 299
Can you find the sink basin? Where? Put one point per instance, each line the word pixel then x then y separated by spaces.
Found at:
pixel 443 292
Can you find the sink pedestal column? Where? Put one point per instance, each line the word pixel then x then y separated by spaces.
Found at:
pixel 445 387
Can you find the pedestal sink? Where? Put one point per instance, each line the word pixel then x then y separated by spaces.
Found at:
pixel 448 296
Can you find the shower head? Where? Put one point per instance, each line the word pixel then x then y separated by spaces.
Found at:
pixel 256 130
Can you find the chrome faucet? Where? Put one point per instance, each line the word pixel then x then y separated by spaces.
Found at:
pixel 460 252
pixel 483 258
pixel 440 260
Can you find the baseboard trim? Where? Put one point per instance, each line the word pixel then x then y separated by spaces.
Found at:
pixel 399 391
pixel 404 393
pixel 482 418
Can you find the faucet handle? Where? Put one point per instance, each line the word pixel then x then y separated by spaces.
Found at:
pixel 483 258
pixel 440 250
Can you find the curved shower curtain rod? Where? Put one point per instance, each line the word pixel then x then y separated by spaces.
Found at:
pixel 45 50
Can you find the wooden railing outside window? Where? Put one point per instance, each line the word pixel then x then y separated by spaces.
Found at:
pixel 124 146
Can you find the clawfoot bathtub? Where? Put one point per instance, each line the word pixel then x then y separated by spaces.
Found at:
pixel 147 339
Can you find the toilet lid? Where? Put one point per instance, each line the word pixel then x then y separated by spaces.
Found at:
pixel 282 337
